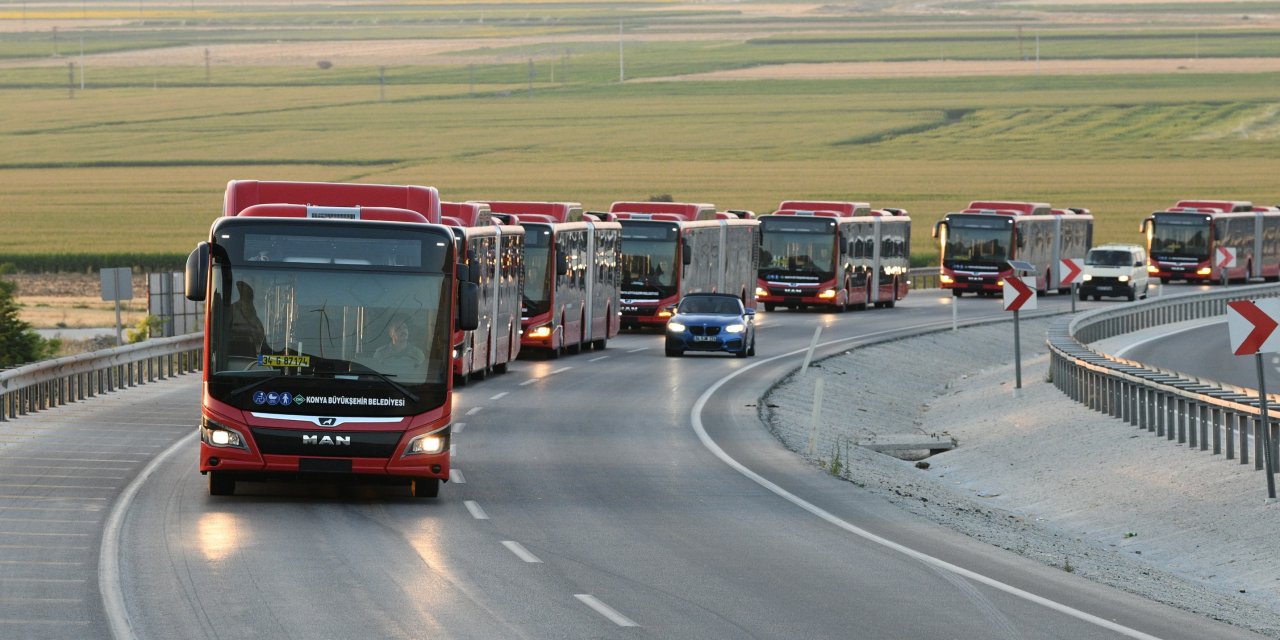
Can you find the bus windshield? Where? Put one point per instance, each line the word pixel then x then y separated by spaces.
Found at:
pixel 1180 235
pixel 797 245
pixel 649 258
pixel 983 240
pixel 313 326
pixel 537 273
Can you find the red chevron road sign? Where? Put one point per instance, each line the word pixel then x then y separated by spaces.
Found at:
pixel 1071 271
pixel 1225 257
pixel 1252 326
pixel 1019 293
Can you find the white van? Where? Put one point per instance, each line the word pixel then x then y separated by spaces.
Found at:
pixel 1115 270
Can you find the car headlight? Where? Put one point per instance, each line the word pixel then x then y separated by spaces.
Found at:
pixel 735 328
pixel 427 444
pixel 221 436
pixel 1124 278
pixel 675 327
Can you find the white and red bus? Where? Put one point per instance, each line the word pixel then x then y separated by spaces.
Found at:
pixel 1183 241
pixel 495 254
pixel 572 271
pixel 837 255
pixel 329 315
pixel 976 244
pixel 670 249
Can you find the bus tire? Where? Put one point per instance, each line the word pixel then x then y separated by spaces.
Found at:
pixel 221 484
pixel 424 487
pixel 500 367
pixel 956 293
pixel 600 345
pixel 769 306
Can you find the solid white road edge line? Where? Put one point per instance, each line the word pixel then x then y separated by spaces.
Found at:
pixel 605 610
pixel 109 551
pixel 696 418
pixel 520 551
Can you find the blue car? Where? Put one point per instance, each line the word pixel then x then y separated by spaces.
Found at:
pixel 712 322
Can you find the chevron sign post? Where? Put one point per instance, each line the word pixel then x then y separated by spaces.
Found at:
pixel 1019 293
pixel 1251 325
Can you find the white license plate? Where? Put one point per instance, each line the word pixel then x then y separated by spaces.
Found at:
pixel 1108 288
pixel 704 339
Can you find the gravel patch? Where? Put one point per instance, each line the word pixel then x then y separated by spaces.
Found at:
pixel 1041 476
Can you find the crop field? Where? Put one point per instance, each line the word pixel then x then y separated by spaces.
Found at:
pixel 125 149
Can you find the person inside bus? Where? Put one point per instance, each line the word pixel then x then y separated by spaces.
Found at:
pixel 399 352
pixel 247 334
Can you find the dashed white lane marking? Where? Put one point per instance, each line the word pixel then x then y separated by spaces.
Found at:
pixel 457 427
pixel 520 551
pixel 499 396
pixel 597 359
pixel 638 350
pixel 560 370
pixel 605 610
pixel 529 381
pixel 476 511
pixel 474 410
pixel 455 475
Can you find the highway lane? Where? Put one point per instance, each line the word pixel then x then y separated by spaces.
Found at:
pixel 1203 349
pixel 588 506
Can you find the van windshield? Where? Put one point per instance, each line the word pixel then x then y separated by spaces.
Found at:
pixel 1107 258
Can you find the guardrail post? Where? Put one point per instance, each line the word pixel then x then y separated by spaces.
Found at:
pixel 1160 413
pixel 1243 425
pixel 1258 449
pixel 1171 416
pixel 1193 422
pixel 1182 420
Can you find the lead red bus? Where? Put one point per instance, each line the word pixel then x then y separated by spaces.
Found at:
pixel 329 310
pixel 670 249
pixel 1183 241
pixel 976 244
pixel 831 254
pixel 495 254
pixel 572 269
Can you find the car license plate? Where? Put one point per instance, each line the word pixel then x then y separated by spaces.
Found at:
pixel 704 338
pixel 1104 288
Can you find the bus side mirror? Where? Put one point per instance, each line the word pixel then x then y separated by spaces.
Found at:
pixel 686 254
pixel 562 264
pixel 468 306
pixel 196 280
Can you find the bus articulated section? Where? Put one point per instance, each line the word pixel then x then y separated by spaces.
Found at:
pixel 834 255
pixel 328 332
pixel 977 243
pixel 1190 241
pixel 572 271
pixel 493 252
pixel 670 249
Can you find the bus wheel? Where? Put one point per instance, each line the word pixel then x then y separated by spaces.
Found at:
pixel 424 487
pixel 481 373
pixel 220 484
pixel 769 306
pixel 500 367
pixel 600 345
pixel 956 293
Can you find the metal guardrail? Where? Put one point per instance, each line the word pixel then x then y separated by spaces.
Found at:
pixel 924 277
pixel 52 383
pixel 1196 412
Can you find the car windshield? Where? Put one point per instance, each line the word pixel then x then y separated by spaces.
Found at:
pixel 1109 258
pixel 717 305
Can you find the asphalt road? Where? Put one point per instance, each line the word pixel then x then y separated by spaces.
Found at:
pixel 610 494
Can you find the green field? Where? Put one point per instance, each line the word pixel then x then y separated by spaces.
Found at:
pixel 137 160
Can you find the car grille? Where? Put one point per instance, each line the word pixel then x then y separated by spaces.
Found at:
pixel 1104 280
pixel 704 331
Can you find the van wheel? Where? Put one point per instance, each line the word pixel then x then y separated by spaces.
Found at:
pixel 1133 293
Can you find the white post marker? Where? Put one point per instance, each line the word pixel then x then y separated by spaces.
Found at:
pixel 813 417
pixel 808 355
pixel 1252 328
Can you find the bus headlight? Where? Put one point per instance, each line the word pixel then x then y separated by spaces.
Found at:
pixel 1204 271
pixel 665 312
pixel 946 279
pixel 675 327
pixel 221 436
pixel 761 292
pixel 735 328
pixel 1151 268
pixel 426 444
pixel 827 294
pixel 543 331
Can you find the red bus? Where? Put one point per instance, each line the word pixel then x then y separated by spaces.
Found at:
pixel 833 254
pixel 1182 241
pixel 329 311
pixel 572 273
pixel 670 249
pixel 495 254
pixel 976 244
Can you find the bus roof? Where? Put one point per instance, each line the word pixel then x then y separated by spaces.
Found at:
pixel 1008 207
pixel 680 210
pixel 845 208
pixel 282 210
pixel 557 211
pixel 471 214
pixel 241 194
pixel 1225 206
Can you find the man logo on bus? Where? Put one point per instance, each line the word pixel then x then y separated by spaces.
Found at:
pixel 332 440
